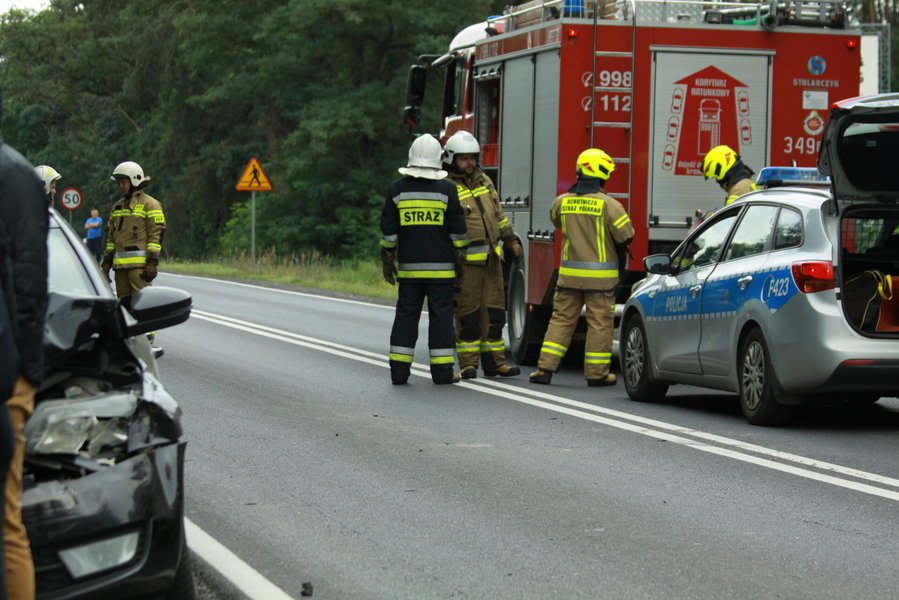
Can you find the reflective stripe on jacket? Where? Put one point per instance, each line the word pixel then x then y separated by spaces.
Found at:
pixel 423 222
pixel 484 217
pixel 592 225
pixel 135 232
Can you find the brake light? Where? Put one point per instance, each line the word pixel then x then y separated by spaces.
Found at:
pixel 813 276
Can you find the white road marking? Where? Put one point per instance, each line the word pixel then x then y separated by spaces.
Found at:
pixel 279 291
pixel 247 579
pixel 612 418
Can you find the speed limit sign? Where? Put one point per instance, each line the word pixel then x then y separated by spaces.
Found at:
pixel 71 198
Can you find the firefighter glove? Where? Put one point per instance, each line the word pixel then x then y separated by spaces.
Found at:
pixel 460 268
pixel 106 265
pixel 388 267
pixel 514 246
pixel 149 273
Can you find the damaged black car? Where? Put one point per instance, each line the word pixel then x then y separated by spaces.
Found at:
pixel 103 497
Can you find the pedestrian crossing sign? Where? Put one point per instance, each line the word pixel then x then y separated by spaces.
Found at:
pixel 253 179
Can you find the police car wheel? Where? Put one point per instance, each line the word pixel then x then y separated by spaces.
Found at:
pixel 757 395
pixel 636 364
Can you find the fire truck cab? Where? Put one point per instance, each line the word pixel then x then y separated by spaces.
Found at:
pixel 655 84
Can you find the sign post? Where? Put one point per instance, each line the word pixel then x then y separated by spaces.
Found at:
pixel 71 200
pixel 253 180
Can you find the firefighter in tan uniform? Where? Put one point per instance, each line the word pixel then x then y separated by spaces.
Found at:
pixel 480 311
pixel 593 227
pixel 732 174
pixel 135 231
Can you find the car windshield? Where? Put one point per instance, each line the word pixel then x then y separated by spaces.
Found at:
pixel 66 271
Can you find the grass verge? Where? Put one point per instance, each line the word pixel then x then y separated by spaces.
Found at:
pixel 354 278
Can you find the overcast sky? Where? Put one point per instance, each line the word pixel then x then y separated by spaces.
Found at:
pixel 5 5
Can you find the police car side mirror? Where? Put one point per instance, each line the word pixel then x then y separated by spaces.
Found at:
pixel 657 263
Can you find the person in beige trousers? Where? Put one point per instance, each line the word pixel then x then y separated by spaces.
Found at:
pixel 594 226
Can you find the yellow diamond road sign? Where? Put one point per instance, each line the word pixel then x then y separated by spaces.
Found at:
pixel 253 179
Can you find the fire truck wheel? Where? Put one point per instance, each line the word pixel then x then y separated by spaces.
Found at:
pixel 524 337
pixel 636 364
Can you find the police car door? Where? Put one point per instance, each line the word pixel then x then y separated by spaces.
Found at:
pixel 675 322
pixel 734 285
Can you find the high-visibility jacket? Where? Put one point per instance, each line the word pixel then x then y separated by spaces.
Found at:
pixel 743 186
pixel 487 223
pixel 135 231
pixel 592 225
pixel 423 221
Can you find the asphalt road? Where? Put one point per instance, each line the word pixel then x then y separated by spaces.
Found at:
pixel 310 467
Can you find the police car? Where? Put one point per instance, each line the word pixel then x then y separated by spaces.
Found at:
pixel 762 299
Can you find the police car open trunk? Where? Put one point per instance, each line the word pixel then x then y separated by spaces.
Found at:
pixel 859 151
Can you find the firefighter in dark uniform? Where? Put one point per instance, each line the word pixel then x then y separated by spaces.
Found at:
pixel 135 232
pixel 480 301
pixel 595 229
pixel 731 173
pixel 423 240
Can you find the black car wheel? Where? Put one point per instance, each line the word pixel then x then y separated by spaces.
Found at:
pixel 636 364
pixel 757 396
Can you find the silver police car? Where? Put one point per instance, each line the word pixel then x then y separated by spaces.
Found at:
pixel 784 296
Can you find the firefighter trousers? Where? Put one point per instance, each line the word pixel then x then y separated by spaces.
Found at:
pixel 127 282
pixel 480 316
pixel 17 550
pixel 440 329
pixel 567 305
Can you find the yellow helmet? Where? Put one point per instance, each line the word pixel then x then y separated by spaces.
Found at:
pixel 593 162
pixel 718 161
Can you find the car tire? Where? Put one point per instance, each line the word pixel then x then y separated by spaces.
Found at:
pixel 636 364
pixel 183 585
pixel 758 399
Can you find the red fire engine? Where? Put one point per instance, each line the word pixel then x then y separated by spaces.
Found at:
pixel 656 84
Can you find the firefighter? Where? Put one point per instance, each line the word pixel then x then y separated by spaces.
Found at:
pixel 596 231
pixel 480 306
pixel 136 229
pixel 732 174
pixel 48 176
pixel 423 241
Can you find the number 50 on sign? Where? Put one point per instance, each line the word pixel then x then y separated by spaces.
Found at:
pixel 71 198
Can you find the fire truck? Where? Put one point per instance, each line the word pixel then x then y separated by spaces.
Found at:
pixel 654 83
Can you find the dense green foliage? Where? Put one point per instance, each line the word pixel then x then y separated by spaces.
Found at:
pixel 192 89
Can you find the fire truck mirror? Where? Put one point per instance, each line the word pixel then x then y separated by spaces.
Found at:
pixel 415 88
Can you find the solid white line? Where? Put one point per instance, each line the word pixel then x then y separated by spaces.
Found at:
pixel 669 432
pixel 279 291
pixel 247 579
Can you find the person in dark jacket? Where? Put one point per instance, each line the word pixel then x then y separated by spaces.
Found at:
pixel 423 238
pixel 23 277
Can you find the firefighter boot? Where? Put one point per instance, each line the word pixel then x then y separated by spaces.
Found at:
pixel 399 373
pixel 541 376
pixel 503 371
pixel 469 372
pixel 608 380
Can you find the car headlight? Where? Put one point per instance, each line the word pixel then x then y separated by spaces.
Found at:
pixel 88 559
pixel 66 426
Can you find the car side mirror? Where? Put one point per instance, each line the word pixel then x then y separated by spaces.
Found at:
pixel 657 263
pixel 157 308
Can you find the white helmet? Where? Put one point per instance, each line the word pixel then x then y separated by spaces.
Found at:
pixel 460 142
pixel 47 175
pixel 424 158
pixel 132 171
